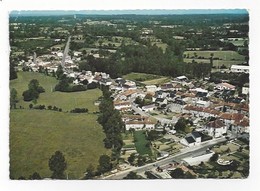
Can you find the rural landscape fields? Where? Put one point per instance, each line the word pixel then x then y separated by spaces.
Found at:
pixel 37 134
pixel 129 96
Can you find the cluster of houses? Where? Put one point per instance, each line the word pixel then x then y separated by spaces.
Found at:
pixel 211 115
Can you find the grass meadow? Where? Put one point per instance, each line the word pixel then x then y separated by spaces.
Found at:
pixel 36 134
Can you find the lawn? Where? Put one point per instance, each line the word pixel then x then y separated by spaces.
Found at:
pixel 141 143
pixel 141 76
pixel 66 101
pixel 147 79
pixel 35 135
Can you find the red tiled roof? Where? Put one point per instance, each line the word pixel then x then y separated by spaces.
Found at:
pixel 226 116
pixel 216 124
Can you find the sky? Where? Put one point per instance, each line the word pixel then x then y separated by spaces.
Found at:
pixel 138 12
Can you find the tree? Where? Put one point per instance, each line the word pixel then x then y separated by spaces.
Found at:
pixel 34 89
pixel 214 157
pixel 132 175
pixel 89 172
pixel 177 173
pixel 180 125
pixel 57 165
pixel 13 73
pixel 13 98
pixel 59 72
pixel 131 158
pixel 35 176
pixel 104 164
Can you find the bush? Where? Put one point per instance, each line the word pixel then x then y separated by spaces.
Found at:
pixel 92 85
pixel 79 110
pixel 29 95
pixel 41 107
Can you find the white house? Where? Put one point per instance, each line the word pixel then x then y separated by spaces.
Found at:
pixel 216 128
pixel 245 89
pixel 239 69
pixel 122 105
pixel 201 103
pixel 151 88
pixel 148 108
pixel 139 125
pixel 182 78
pixel 225 86
pixel 191 139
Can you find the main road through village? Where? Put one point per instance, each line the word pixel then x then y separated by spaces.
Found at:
pixel 184 153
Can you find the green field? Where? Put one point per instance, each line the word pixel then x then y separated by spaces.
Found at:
pixel 141 77
pixel 36 134
pixel 66 101
pixel 141 143
pixel 226 58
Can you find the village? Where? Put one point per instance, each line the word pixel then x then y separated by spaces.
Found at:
pixel 183 102
pixel 200 104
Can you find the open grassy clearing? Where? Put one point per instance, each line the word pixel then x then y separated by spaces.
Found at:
pixel 147 79
pixel 216 63
pixel 66 101
pixel 158 81
pixel 161 45
pixel 35 135
pixel 141 143
pixel 224 55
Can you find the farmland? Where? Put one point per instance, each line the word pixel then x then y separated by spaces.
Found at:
pixel 146 79
pixel 220 58
pixel 36 134
pixel 66 101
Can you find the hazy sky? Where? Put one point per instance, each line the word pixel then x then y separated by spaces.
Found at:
pixel 144 12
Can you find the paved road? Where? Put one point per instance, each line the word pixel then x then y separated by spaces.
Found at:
pixel 187 152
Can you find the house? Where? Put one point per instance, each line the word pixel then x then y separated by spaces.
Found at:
pixel 129 85
pixel 161 101
pixel 105 81
pixel 148 108
pixel 128 94
pixel 181 78
pixel 201 103
pixel 139 125
pixel 216 128
pixel 151 88
pixel 167 86
pixel 122 105
pixel 245 89
pixel 225 86
pixel 191 139
pixel 240 69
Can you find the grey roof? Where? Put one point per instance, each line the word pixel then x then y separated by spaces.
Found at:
pixel 190 139
pixel 196 134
